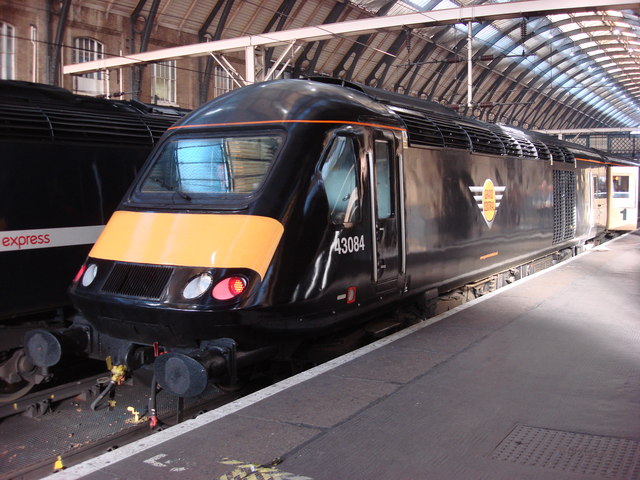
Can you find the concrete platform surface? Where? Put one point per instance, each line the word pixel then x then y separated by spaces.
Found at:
pixel 539 381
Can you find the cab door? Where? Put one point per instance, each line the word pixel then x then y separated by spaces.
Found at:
pixel 386 190
pixel 623 198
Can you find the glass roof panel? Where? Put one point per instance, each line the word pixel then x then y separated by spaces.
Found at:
pixel 488 33
pixel 585 54
pixel 578 36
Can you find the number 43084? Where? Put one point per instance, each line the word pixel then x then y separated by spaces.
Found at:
pixel 349 245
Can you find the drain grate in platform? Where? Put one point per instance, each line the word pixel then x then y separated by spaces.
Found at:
pixel 604 457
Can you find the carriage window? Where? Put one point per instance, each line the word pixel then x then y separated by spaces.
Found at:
pixel 339 174
pixel 225 165
pixel 599 186
pixel 621 186
pixel 383 180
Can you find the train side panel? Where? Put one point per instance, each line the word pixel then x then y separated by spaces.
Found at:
pixel 450 237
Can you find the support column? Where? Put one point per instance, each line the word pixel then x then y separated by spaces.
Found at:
pixel 55 49
pixel 469 66
pixel 250 64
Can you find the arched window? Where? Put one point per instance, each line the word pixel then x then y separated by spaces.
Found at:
pixel 7 51
pixel 87 50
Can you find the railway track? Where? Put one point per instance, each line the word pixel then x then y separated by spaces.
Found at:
pixel 36 444
pixel 57 427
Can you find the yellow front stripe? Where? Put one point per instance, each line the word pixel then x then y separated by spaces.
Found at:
pixel 187 239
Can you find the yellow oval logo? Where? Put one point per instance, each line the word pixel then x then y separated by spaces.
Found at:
pixel 488 200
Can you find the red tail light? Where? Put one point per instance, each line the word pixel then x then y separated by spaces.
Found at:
pixel 229 288
pixel 78 276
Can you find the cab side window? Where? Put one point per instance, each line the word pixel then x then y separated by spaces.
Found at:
pixel 383 179
pixel 621 186
pixel 339 175
pixel 599 186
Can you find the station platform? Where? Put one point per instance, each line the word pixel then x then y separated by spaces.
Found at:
pixel 540 380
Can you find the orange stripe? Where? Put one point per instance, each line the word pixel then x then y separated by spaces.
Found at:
pixel 489 255
pixel 341 122
pixel 601 163
pixel 187 239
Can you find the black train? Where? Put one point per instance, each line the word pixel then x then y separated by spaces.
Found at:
pixel 290 208
pixel 66 162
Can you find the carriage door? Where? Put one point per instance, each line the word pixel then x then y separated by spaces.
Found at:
pixel 386 219
pixel 623 198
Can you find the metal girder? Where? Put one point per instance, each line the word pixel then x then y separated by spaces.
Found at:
pixel 355 27
pixel 278 63
pixel 539 113
pixel 136 73
pixel 278 19
pixel 545 114
pixel 55 49
pixel 355 52
pixel 207 23
pixel 539 31
pixel 416 64
pixel 484 75
pixel 605 96
pixel 532 83
pixel 481 51
pixel 306 64
pixel 379 73
pixel 553 112
pixel 455 83
pixel 567 111
pixel 582 131
pixel 587 57
pixel 206 74
pixel 592 110
pixel 613 99
pixel 229 70
pixel 148 24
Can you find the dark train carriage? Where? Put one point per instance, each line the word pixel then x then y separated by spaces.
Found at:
pixel 66 162
pixel 291 208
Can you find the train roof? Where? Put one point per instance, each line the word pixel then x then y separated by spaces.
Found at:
pixel 431 124
pixel 287 100
pixel 37 112
pixel 428 124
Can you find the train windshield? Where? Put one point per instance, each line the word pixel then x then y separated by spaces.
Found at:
pixel 202 166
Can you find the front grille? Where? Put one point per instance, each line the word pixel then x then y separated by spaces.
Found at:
pixel 143 281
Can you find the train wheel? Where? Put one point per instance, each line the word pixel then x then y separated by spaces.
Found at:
pixel 17 376
pixel 10 392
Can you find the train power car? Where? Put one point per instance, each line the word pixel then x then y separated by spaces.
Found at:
pixel 291 208
pixel 66 162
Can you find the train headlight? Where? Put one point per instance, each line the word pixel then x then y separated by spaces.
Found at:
pixel 197 286
pixel 229 288
pixel 89 275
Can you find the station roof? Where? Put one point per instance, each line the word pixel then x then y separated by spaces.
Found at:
pixel 554 71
